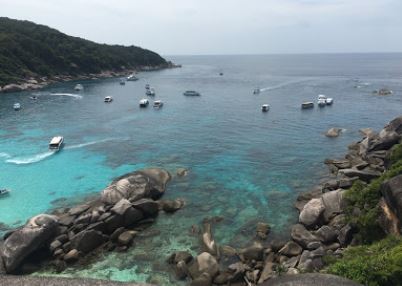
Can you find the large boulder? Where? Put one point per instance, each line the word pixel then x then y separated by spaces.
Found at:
pixel 291 249
pixel 87 240
pixel 203 263
pixel 392 192
pixel 147 206
pixel 21 243
pixel 333 132
pixel 148 183
pixel 395 125
pixel 385 141
pixel 302 236
pixel 364 175
pixel 333 203
pixel 311 213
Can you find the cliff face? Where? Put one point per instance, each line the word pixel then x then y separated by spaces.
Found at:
pixel 31 50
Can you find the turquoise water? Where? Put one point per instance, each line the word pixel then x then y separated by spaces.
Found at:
pixel 245 165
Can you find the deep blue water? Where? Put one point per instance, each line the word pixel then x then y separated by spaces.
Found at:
pixel 245 165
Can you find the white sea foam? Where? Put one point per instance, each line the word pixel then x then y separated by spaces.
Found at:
pixel 76 146
pixel 30 159
pixel 283 84
pixel 4 155
pixel 77 96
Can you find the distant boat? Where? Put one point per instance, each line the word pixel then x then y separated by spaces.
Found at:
pixel 56 143
pixel 384 91
pixel 108 99
pixel 191 93
pixel 321 102
pixel 34 97
pixel 265 107
pixel 131 77
pixel 150 92
pixel 256 91
pixel 144 102
pixel 158 104
pixel 4 192
pixel 221 73
pixel 329 101
pixel 122 82
pixel 147 86
pixel 17 106
pixel 321 96
pixel 78 87
pixel 307 105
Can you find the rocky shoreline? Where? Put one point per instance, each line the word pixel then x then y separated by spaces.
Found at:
pixel 322 230
pixel 39 82
pixel 109 222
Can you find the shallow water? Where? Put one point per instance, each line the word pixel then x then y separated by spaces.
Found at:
pixel 245 165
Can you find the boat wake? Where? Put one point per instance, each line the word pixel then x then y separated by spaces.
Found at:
pixel 4 155
pixel 90 143
pixel 31 159
pixel 77 96
pixel 284 84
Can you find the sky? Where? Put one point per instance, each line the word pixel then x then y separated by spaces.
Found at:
pixel 205 27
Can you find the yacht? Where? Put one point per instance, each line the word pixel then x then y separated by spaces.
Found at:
pixel 256 91
pixel 56 143
pixel 150 91
pixel 329 101
pixel 265 107
pixel 158 104
pixel 4 192
pixel 144 102
pixel 17 106
pixel 108 99
pixel 122 82
pixel 307 105
pixel 78 87
pixel 191 93
pixel 131 77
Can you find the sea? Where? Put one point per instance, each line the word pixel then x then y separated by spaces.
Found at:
pixel 245 166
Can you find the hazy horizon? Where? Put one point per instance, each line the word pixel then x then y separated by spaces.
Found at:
pixel 195 27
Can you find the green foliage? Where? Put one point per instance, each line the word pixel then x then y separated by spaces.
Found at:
pixel 395 154
pixel 375 265
pixel 366 197
pixel 28 49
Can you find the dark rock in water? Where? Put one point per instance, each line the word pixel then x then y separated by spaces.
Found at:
pixel 99 226
pixel 113 222
pixel 263 230
pixel 87 240
pixel 182 172
pixel 72 256
pixel 181 270
pixel 203 263
pixel 121 207
pixel 392 192
pixel 172 206
pixel 22 242
pixel 115 235
pixel 291 249
pixel 147 206
pixel 333 132
pixel 126 238
pixel 302 236
pixel 131 216
pixel 149 183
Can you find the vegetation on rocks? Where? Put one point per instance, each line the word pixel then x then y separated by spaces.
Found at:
pixel 374 265
pixel 29 50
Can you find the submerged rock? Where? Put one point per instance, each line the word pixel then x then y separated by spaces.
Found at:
pixel 333 132
pixel 204 263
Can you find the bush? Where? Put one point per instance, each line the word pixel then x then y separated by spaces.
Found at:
pixel 375 265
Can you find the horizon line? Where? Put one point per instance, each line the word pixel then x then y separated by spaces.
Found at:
pixel 284 54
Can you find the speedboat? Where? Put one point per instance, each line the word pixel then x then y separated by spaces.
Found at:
pixel 265 107
pixel 144 102
pixel 122 82
pixel 78 87
pixel 191 93
pixel 17 106
pixel 256 91
pixel 307 105
pixel 329 101
pixel 56 143
pixel 321 96
pixel 150 91
pixel 108 99
pixel 321 102
pixel 34 97
pixel 131 77
pixel 4 192
pixel 158 104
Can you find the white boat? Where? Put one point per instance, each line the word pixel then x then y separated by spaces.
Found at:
pixel 158 104
pixel 321 102
pixel 307 105
pixel 108 99
pixel 122 82
pixel 150 91
pixel 56 143
pixel 78 87
pixel 4 192
pixel 144 102
pixel 17 106
pixel 191 93
pixel 321 96
pixel 265 107
pixel 131 77
pixel 256 91
pixel 329 101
